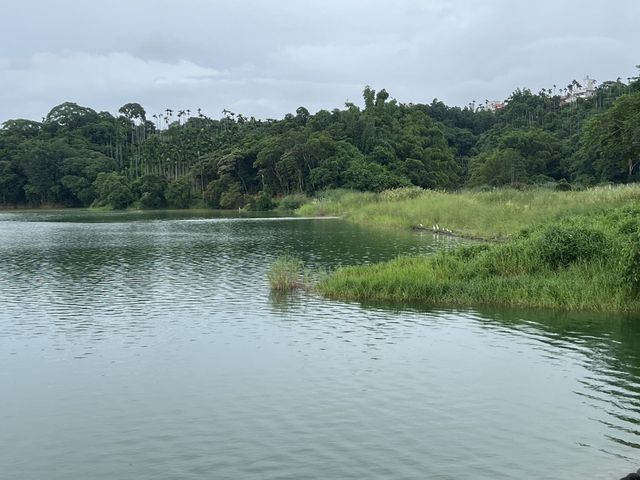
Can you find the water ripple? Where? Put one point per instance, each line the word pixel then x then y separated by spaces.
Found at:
pixel 153 349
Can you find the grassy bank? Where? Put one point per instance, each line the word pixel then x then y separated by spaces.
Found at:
pixel 586 262
pixel 496 214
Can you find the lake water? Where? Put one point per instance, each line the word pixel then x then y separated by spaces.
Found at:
pixel 148 346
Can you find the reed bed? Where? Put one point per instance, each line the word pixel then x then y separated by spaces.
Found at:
pixel 287 274
pixel 582 262
pixel 495 214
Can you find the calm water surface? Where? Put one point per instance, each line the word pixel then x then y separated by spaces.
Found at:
pixel 148 346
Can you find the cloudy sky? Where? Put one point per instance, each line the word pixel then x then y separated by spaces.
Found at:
pixel 267 57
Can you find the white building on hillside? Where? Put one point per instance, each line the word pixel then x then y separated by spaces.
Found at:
pixel 575 90
pixel 493 105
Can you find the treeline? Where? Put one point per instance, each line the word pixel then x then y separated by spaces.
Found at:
pixel 79 157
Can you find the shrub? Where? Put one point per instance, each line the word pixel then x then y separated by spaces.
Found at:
pixel 150 189
pixel 562 186
pixel 285 272
pixel 259 203
pixel 232 198
pixel 216 190
pixel 113 190
pixel 293 201
pixel 561 245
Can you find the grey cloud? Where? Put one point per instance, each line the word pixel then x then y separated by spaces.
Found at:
pixel 267 58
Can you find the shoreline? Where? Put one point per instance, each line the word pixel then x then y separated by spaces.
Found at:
pixel 582 258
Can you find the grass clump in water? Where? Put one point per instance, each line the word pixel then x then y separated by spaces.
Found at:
pixel 584 263
pixel 286 274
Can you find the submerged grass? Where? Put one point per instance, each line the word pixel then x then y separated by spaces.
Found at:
pixel 286 274
pixel 496 214
pixel 584 262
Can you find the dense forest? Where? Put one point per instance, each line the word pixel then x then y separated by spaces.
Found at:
pixel 179 158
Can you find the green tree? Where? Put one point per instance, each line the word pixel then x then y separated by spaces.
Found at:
pixel 150 190
pixel 610 142
pixel 113 190
pixel 11 184
pixel 179 193
pixel 497 168
pixel 69 115
pixel 372 177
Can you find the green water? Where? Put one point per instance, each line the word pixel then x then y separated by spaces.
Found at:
pixel 148 346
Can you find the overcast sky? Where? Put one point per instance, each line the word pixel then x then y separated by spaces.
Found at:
pixel 267 57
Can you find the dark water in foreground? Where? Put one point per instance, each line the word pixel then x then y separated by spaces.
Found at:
pixel 148 347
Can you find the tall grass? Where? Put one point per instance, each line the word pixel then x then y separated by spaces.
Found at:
pixel 286 274
pixel 495 214
pixel 589 262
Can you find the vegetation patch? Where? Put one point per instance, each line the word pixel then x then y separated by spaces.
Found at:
pixel 287 274
pixel 586 263
pixel 79 157
pixel 498 213
pixel 293 201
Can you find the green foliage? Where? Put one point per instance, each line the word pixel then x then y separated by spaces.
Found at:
pixel 178 193
pixel 113 190
pixel 405 193
pixel 509 156
pixel 133 111
pixel 293 201
pixel 580 263
pixel 261 202
pixel 150 189
pixel 371 177
pixel 561 245
pixel 535 139
pixel 216 189
pixel 629 226
pixel 610 142
pixel 232 198
pixel 11 184
pixel 631 264
pixel 563 186
pixel 285 274
pixel 497 168
pixel 491 214
pixel 70 116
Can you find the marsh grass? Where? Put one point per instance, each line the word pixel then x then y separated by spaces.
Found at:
pixel 496 214
pixel 581 263
pixel 287 274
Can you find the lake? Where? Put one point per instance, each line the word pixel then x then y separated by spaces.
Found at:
pixel 148 346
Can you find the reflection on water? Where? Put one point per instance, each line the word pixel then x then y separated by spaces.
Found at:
pixel 149 346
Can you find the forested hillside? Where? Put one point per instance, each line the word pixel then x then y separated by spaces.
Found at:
pixel 79 157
